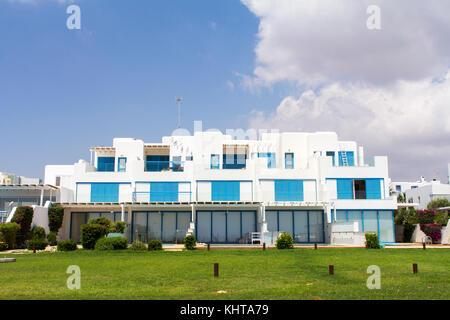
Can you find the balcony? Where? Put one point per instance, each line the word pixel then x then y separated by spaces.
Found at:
pixel 180 196
pixel 162 166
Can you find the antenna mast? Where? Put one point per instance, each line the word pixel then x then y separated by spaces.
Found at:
pixel 179 101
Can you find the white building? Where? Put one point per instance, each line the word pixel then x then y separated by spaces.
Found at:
pixel 222 190
pixel 428 192
pixel 21 191
pixel 400 187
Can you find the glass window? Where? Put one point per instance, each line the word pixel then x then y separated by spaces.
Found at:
pixel 215 161
pixel 289 157
pixel 122 165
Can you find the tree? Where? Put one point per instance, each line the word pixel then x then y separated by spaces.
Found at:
pixel 438 203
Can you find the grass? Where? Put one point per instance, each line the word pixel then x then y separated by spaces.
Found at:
pixel 244 274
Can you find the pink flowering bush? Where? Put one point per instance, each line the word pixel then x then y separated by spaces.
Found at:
pixel 433 230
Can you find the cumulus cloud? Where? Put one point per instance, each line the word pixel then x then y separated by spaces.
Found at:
pixel 312 42
pixel 387 89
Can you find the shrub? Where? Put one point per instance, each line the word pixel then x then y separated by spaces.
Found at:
pixel 102 221
pixel 433 230
pixel 372 241
pixel 406 216
pixel 113 243
pixel 441 218
pixel 3 246
pixel 38 233
pixel 425 216
pixel 67 245
pixel 189 242
pixel 285 241
pixel 9 232
pixel 23 217
pixel 408 232
pixel 55 218
pixel 90 233
pixel 138 245
pixel 438 203
pixel 51 238
pixel 119 227
pixel 154 245
pixel 38 244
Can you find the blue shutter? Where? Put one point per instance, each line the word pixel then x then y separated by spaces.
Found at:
pixel 351 158
pixel 288 190
pixel 225 191
pixel 344 188
pixel 373 188
pixel 104 192
pixel 163 191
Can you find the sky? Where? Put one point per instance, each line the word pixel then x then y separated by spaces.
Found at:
pixel 292 65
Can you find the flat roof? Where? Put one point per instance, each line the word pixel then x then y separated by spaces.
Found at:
pixel 28 187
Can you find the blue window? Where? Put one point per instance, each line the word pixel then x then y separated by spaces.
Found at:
pixel 225 191
pixel 271 159
pixel 373 188
pixel 289 160
pixel 122 164
pixel 156 163
pixel 105 192
pixel 163 191
pixel 288 190
pixel 215 164
pixel 189 158
pixel 234 161
pixel 344 188
pixel 346 158
pixel 105 164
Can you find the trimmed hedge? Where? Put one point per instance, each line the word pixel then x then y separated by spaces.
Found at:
pixel 372 241
pixel 55 218
pixel 90 233
pixel 285 241
pixel 154 245
pixel 38 233
pixel 38 244
pixel 112 243
pixel 67 245
pixel 9 232
pixel 189 242
pixel 138 246
pixel 23 217
pixel 102 221
pixel 51 238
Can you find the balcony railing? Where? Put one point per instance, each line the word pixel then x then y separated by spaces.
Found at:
pixel 180 196
pixel 159 166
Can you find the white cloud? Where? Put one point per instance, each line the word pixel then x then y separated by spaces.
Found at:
pixel 409 121
pixel 372 86
pixel 312 42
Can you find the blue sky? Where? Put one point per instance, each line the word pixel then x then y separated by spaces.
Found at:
pixel 62 91
pixel 302 65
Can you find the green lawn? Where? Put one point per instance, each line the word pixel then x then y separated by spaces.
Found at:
pixel 244 274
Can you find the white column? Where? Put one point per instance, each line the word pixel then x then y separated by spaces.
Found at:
pixel 122 217
pixel 361 156
pixel 42 198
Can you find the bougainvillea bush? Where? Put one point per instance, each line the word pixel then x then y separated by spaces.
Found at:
pixel 433 230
